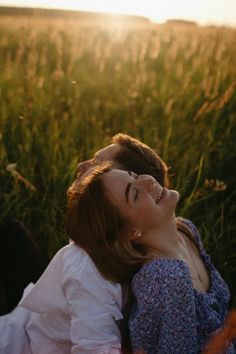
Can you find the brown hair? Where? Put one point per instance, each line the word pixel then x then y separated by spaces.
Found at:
pixel 140 158
pixel 97 226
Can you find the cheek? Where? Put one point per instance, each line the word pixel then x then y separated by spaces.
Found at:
pixel 143 218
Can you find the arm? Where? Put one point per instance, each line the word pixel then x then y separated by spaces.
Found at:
pixel 164 321
pixel 94 307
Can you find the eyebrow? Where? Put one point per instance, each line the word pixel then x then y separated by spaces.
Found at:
pixel 128 188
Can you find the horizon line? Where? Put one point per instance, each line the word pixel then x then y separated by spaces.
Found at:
pixel 147 18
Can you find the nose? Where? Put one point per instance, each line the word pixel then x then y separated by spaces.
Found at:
pixel 83 166
pixel 146 181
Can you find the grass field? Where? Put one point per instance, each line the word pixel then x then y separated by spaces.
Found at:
pixel 66 87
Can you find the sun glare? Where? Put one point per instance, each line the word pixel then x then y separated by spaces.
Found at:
pixel 155 10
pixel 202 11
pixel 152 9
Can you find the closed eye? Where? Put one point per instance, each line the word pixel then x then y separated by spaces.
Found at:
pixel 135 175
pixel 132 174
pixel 136 194
pixel 136 191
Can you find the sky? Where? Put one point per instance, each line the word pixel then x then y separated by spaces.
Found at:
pixel 219 12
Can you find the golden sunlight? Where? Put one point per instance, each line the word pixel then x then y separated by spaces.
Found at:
pixel 157 11
pixel 201 11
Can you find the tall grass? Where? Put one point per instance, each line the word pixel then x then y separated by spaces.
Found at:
pixel 67 87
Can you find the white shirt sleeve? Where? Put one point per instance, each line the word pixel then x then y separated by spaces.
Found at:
pixel 13 337
pixel 94 306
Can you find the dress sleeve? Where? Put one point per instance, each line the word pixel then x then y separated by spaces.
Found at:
pixel 163 321
pixel 94 307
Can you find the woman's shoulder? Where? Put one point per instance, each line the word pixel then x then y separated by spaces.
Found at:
pixel 160 272
pixel 186 224
pixel 162 267
pixel 161 281
pixel 189 228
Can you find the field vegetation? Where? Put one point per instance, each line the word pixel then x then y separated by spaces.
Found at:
pixel 67 86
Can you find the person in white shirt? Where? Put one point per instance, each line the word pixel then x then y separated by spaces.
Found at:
pixel 72 308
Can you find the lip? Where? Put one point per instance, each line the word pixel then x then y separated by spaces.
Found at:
pixel 162 195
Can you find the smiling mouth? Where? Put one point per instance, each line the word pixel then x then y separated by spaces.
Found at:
pixel 160 195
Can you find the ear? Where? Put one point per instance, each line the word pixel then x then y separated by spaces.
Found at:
pixel 135 234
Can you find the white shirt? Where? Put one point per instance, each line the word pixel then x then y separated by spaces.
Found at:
pixel 73 309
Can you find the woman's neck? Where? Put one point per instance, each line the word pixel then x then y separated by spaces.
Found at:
pixel 164 242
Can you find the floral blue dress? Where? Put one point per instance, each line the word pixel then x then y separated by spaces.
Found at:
pixel 169 316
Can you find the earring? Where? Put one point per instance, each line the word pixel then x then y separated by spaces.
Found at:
pixel 136 234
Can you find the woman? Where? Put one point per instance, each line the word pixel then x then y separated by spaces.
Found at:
pixel 72 307
pixel 16 241
pixel 126 223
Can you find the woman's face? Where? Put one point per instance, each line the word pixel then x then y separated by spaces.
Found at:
pixel 141 199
